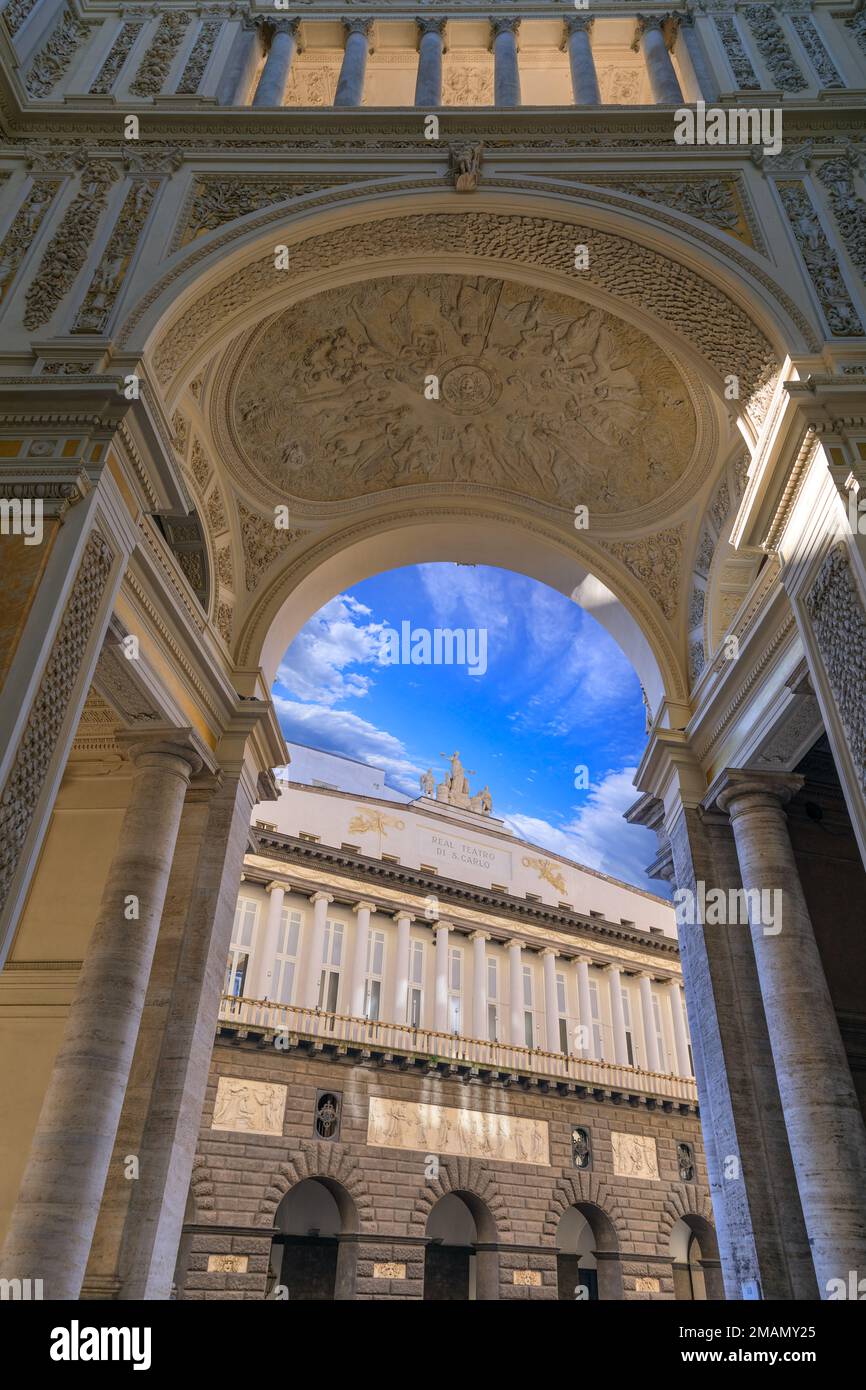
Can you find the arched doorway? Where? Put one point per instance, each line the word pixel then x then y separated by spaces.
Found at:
pixel 586 1249
pixel 695 1260
pixel 456 1268
pixel 311 1261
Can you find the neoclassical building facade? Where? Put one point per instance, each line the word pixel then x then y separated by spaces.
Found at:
pixel 291 298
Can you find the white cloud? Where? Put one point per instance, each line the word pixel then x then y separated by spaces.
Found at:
pixel 341 731
pixel 597 835
pixel 314 667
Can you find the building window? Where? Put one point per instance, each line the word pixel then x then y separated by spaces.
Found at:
pixel 283 985
pixel 375 971
pixel 581 1148
pixel 240 950
pixel 562 1010
pixel 455 989
pixel 626 1018
pixel 686 1162
pixel 416 983
pixel 492 999
pixel 328 1107
pixel 528 1014
pixel 332 955
pixel 595 1015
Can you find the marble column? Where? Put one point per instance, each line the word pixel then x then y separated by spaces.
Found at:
pixel 362 912
pixel 271 90
pixel 479 984
pixel 350 87
pixel 55 1216
pixel 662 75
pixel 578 41
pixel 617 1015
pixel 819 1102
pixel 506 74
pixel 313 964
pixel 515 993
pixel 400 996
pixel 261 986
pixel 551 1011
pixel 243 61
pixel 428 84
pixel 653 1060
pixel 681 1041
pixel 440 994
pixel 708 89
pixel 584 1006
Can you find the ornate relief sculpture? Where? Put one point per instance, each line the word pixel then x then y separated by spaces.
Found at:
pixel 820 260
pixel 441 1129
pixel 538 393
pixel 118 54
pixel 820 59
pixel 655 561
pixel 741 65
pixel 252 1106
pixel 547 871
pixel 839 623
pixel 857 25
pixel 466 163
pixel 849 210
pixel 51 62
pixel 199 58
pixel 217 201
pixel 154 67
pixel 42 733
pixel 773 48
pixel 68 248
pixel 105 286
pixel 26 224
pixel 15 13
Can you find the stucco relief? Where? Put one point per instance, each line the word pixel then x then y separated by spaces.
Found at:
pixel 440 1129
pixel 839 623
pixel 634 1156
pixel 537 393
pixel 655 561
pixel 252 1106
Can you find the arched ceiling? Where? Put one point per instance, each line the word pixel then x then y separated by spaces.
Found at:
pixel 449 379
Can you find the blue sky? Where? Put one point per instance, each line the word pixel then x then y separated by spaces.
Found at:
pixel 557 693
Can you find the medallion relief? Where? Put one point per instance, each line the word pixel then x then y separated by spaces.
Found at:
pixel 445 379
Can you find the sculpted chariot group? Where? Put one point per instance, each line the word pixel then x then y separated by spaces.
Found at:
pixel 454 788
pixel 446 379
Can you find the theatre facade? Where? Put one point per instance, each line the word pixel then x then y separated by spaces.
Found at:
pixel 292 299
pixel 448 1065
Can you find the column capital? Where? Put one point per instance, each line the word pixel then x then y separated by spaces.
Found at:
pixel 646 975
pixel 576 24
pixel 666 24
pixel 512 942
pixel 274 885
pixel 321 897
pixel 613 967
pixel 503 24
pixel 403 916
pixel 584 960
pixel 737 785
pixel 479 936
pixel 549 951
pixel 442 926
pixel 285 26
pixel 363 906
pixel 359 25
pixel 431 24
pixel 148 748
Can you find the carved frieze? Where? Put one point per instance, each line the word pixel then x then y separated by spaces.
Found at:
pixel 469 82
pixel 68 248
pixel 197 62
pixel 105 286
pixel 655 561
pixel 313 81
pixel 54 57
pixel 819 259
pixel 216 511
pixel 250 1107
pixel 773 48
pixel 536 392
pixel 634 1156
pixel 849 210
pixel 440 1129
pixel 828 74
pixel 22 233
pixel 200 464
pixel 857 25
pixel 16 12
pixel 835 608
pixel 709 321
pixel 44 726
pixel 223 619
pixel 216 200
pixel 117 56
pixel 720 203
pixel 740 63
pixel 262 541
pixel 154 66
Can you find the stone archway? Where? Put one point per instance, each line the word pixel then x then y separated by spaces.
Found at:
pixel 311 1256
pixel 599 1209
pixel 695 1259
pixel 461 1261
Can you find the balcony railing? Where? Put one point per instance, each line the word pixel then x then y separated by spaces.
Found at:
pixel 364 1033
